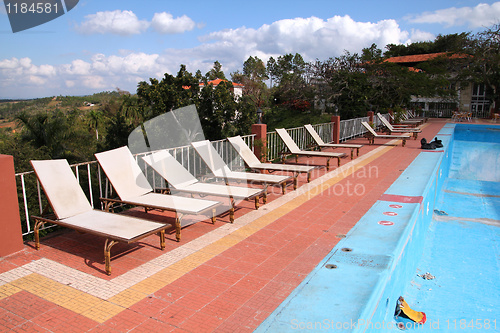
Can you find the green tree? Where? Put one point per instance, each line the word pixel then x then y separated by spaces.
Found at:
pixel 484 62
pixel 216 72
pixel 442 43
pixel 45 131
pixel 290 72
pixel 217 111
pixel 344 85
pixel 118 131
pixel 253 79
pixel 170 93
pixel 94 118
pixel 371 53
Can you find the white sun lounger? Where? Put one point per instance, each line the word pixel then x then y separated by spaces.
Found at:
pixel 181 180
pixel 73 210
pixel 133 188
pixel 391 129
pixel 219 168
pixel 410 116
pixel 322 144
pixel 372 134
pixel 295 150
pixel 410 122
pixel 253 162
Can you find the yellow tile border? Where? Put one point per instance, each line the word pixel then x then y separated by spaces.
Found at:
pixel 101 310
pixel 7 290
pixel 127 298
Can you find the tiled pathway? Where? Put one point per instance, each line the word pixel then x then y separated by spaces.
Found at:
pixel 224 278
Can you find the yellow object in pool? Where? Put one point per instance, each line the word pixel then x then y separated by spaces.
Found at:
pixel 417 316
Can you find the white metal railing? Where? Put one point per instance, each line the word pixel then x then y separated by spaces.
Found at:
pixel 349 129
pixel 96 184
pixel 33 202
pixel 352 128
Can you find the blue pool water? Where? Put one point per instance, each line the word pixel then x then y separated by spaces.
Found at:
pixel 444 219
pixel 462 247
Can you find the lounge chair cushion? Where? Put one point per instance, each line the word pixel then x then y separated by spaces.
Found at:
pixel 117 226
pixel 181 179
pixel 253 162
pixel 124 173
pixel 63 191
pixel 241 147
pixel 171 170
pixel 220 169
pixel 173 202
pixel 295 150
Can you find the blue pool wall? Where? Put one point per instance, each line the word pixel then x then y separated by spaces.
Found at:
pixel 424 178
pixel 374 263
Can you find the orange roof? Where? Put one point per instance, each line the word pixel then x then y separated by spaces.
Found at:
pixel 425 57
pixel 218 81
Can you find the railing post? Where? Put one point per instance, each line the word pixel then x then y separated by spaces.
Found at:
pixel 370 116
pixel 11 237
pixel 336 129
pixel 260 143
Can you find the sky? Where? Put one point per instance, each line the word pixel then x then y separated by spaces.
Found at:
pixel 104 45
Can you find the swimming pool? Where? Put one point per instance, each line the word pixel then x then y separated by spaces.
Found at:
pixel 441 216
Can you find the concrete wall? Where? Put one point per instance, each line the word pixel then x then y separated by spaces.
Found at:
pixel 11 239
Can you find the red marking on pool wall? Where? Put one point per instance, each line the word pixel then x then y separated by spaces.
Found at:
pixel 385 223
pixel 401 198
pixel 11 237
pixel 390 213
pixel 396 206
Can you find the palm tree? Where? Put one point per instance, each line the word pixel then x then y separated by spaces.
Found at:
pixel 94 118
pixel 44 130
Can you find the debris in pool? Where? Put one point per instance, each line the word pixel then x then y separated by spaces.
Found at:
pixel 427 276
pixel 406 315
pixel 440 212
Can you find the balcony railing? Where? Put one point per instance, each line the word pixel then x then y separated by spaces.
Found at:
pixel 96 185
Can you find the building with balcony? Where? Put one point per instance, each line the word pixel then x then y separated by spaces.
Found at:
pixel 469 98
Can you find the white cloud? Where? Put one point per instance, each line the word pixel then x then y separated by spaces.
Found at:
pixel 77 67
pixel 118 22
pixel 9 63
pixel 36 80
pixel 483 15
pixel 19 78
pixel 165 23
pixel 421 36
pixel 312 37
pixel 126 23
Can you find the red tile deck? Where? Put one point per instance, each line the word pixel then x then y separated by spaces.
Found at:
pixel 231 285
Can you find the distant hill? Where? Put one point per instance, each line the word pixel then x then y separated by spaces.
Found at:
pixel 9 108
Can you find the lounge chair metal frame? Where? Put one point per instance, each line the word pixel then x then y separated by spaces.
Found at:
pixel 292 149
pixel 321 144
pixel 181 180
pixel 253 163
pixel 220 170
pixel 145 191
pixel 371 135
pixel 409 121
pixel 72 216
pixel 391 129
